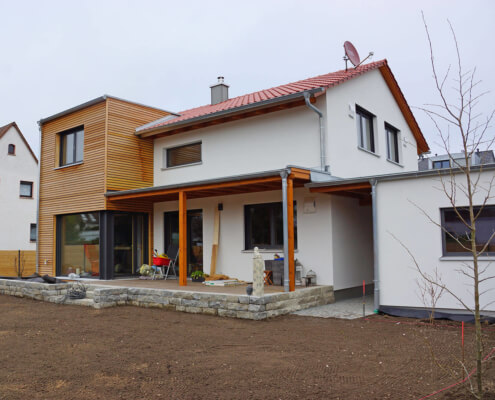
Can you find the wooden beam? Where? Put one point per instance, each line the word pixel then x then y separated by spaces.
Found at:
pixel 182 238
pixel 223 185
pixel 290 223
pixel 300 173
pixel 340 188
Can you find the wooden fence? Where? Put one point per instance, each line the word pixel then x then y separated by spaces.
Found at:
pixel 17 262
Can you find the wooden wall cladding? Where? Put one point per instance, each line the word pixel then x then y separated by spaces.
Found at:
pixel 73 188
pixel 113 159
pixel 10 265
pixel 129 158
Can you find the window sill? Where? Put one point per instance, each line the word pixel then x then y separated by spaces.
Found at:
pixel 395 163
pixel 466 258
pixel 182 166
pixel 26 197
pixel 69 165
pixel 368 151
pixel 267 251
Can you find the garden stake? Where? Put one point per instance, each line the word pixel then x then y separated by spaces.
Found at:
pixel 364 293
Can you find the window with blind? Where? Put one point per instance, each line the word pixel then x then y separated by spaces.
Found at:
pixel 183 155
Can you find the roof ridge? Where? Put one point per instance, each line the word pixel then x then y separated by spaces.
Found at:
pixel 361 67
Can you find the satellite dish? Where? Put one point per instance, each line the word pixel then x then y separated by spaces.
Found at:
pixel 351 53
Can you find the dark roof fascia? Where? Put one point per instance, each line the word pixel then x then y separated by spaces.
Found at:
pixel 234 178
pixel 91 103
pixel 399 176
pixel 224 113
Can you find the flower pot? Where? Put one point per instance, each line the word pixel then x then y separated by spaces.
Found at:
pixel 200 279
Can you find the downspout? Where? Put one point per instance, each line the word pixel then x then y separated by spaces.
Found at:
pixel 323 156
pixel 38 207
pixel 284 175
pixel 376 270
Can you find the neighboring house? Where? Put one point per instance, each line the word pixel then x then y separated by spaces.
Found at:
pixel 18 197
pixel 142 179
pixel 455 160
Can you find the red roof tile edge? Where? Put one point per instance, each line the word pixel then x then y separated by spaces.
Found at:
pixel 279 92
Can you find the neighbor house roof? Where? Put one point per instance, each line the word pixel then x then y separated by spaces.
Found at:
pixel 5 128
pixel 281 93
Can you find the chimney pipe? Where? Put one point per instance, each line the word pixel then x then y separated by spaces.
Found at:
pixel 219 91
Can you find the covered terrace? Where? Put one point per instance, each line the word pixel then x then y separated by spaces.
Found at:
pixel 283 179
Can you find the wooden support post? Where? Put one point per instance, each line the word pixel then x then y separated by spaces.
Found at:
pixel 290 222
pixel 182 238
pixel 214 247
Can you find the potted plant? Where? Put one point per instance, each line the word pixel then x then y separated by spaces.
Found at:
pixel 198 276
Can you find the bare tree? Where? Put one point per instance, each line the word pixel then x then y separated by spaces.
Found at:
pixel 429 292
pixel 456 117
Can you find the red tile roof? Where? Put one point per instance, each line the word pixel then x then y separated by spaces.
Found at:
pixel 189 117
pixel 321 81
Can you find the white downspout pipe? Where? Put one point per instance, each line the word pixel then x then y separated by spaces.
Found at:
pixel 284 174
pixel 38 207
pixel 323 153
pixel 376 269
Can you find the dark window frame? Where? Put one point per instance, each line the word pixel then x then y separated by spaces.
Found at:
pixel 31 189
pixel 31 237
pixel 441 162
pixel 174 148
pixel 390 130
pixel 106 242
pixel 446 253
pixel 11 149
pixel 248 245
pixel 63 137
pixel 362 113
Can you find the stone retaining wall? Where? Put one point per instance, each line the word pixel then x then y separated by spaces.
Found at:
pixel 224 305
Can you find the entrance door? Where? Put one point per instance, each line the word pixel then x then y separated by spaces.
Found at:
pixel 194 237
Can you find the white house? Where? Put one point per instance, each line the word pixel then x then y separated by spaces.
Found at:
pixel 238 156
pixel 18 190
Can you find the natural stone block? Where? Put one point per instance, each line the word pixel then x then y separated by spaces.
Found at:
pixel 227 313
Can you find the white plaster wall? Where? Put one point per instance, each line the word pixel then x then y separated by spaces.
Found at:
pixel 314 232
pixel 398 216
pixel 371 92
pixel 352 243
pixel 255 144
pixel 16 213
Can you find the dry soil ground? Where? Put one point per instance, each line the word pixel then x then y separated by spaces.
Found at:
pixel 50 351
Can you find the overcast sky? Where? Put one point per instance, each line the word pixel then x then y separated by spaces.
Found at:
pixel 58 54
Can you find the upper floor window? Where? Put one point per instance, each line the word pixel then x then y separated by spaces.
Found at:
pixel 26 189
pixel 392 143
pixel 71 146
pixel 456 235
pixel 441 164
pixel 365 129
pixel 183 155
pixel 11 149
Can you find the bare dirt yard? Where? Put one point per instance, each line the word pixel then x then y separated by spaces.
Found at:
pixel 50 351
